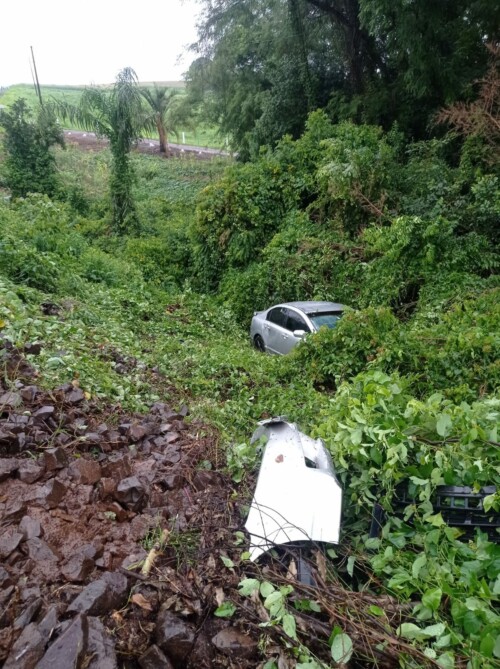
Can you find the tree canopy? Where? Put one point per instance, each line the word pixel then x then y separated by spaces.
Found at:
pixel 264 65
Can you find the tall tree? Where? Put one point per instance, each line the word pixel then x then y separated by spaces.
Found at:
pixel 30 166
pixel 264 64
pixel 117 115
pixel 165 113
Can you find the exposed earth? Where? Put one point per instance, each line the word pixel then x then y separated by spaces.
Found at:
pixel 86 494
pixel 88 141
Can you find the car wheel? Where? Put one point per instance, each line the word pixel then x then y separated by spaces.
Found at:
pixel 259 343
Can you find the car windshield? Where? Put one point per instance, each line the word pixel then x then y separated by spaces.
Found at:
pixel 328 318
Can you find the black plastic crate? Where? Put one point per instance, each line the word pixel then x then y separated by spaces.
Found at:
pixel 459 506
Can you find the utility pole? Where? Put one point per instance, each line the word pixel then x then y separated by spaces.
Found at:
pixel 37 86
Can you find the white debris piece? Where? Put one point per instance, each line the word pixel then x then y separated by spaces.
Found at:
pixel 297 497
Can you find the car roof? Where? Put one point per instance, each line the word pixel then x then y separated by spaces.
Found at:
pixel 312 307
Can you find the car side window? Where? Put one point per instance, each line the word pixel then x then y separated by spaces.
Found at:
pixel 296 322
pixel 278 316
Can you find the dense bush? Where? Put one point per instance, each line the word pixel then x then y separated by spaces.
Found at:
pixel 237 216
pixel 164 261
pixel 332 356
pixel 30 165
pixel 42 247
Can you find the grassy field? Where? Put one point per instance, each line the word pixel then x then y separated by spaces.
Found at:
pixel 202 135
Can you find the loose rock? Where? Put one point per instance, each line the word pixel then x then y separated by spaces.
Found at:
pixel 85 471
pixel 102 596
pixel 130 492
pixel 9 541
pixel 30 471
pixel 100 647
pixel 155 658
pixel 174 636
pixel 69 649
pixel 8 467
pixel 27 650
pixel 30 528
pixel 55 458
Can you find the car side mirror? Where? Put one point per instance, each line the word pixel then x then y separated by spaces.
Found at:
pixel 299 333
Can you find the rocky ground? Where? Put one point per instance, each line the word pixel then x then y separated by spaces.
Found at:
pixel 87 493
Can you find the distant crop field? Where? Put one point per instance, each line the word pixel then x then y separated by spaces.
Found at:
pixel 203 135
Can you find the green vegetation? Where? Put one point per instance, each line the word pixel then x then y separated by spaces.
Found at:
pixel 264 66
pixel 118 116
pixel 405 390
pixel 30 165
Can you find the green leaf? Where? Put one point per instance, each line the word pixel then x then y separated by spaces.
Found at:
pixel 409 631
pixel 266 589
pixel 376 610
pixel 308 664
pixel 487 645
pixel 356 436
pixel 341 648
pixel 432 598
pixel 225 610
pixel 434 630
pixel 496 649
pixel 350 564
pixel 412 631
pixel 472 622
pixel 436 520
pixel 372 543
pixel 446 661
pixel 443 425
pixel 418 564
pixel 289 627
pixel 417 481
pixel 275 604
pixel 247 586
pixel 227 562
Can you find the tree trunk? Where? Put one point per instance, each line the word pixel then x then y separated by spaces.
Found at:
pixel 163 137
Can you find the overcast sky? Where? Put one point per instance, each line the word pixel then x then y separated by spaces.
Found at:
pixel 90 42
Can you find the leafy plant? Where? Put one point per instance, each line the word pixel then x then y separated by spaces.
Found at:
pixel 30 165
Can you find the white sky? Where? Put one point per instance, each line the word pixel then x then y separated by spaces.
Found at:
pixel 90 42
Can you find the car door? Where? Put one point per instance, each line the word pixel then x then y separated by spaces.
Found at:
pixel 294 322
pixel 275 330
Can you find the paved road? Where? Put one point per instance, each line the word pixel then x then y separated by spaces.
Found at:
pixel 144 145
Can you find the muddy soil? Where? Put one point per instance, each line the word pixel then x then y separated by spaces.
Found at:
pixel 87 495
pixel 87 141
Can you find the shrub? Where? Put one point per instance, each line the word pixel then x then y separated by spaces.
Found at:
pixel 164 261
pixel 236 217
pixel 333 355
pixel 30 166
pixel 97 266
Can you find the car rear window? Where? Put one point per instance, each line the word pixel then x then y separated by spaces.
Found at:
pixel 328 318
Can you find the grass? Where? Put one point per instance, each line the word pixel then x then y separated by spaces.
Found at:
pixel 203 135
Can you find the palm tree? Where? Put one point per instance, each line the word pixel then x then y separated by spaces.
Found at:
pixel 118 115
pixel 165 112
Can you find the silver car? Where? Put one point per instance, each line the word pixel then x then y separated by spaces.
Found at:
pixel 280 328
